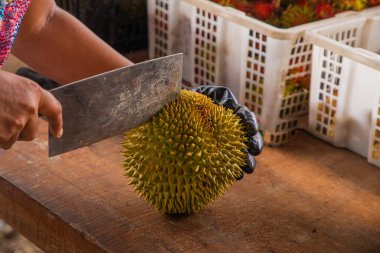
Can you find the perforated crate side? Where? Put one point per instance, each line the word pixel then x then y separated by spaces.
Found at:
pixel 206 36
pixel 162 16
pixel 253 75
pixel 298 66
pixel 261 75
pixel 284 131
pixel 294 105
pixel 211 46
pixel 327 93
pixel 329 89
pixel 374 143
pixel 299 63
pixel 197 34
pixel 363 88
pixel 288 107
pixel 270 63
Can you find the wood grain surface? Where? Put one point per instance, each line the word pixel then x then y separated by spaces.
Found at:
pixel 304 197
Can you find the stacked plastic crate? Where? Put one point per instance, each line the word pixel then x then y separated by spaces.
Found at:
pixel 254 59
pixel 345 88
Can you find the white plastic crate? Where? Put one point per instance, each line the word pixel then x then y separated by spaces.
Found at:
pixel 345 87
pixel 209 43
pixel 223 46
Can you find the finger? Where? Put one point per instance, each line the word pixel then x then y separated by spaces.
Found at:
pixel 50 107
pixel 30 130
pixel 255 144
pixel 249 120
pixel 250 164
pixel 8 144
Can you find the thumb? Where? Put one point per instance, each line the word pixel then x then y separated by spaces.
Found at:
pixel 50 107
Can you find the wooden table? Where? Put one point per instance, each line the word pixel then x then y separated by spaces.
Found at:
pixel 305 197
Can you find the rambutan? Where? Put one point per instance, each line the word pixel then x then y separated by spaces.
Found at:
pixel 297 15
pixel 243 6
pixel 372 3
pixel 262 10
pixel 355 5
pixel 324 10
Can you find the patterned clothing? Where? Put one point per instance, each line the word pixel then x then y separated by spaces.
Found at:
pixel 11 14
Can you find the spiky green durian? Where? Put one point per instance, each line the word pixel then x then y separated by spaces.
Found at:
pixel 187 156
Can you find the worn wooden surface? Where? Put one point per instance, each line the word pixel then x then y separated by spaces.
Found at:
pixel 305 197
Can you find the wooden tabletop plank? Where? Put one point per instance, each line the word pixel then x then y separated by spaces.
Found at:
pixel 304 197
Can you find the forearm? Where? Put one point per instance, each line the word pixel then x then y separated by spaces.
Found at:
pixel 62 48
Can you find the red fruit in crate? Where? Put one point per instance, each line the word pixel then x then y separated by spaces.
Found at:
pixel 262 10
pixel 302 2
pixel 243 6
pixel 355 5
pixel 324 10
pixel 297 15
pixel 372 3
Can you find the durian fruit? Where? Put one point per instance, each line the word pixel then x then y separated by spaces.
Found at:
pixel 297 15
pixel 187 156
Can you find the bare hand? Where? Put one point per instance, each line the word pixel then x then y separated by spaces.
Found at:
pixel 21 100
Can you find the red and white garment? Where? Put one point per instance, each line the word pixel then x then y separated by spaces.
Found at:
pixel 11 14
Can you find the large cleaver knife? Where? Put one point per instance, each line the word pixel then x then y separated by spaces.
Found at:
pixel 109 104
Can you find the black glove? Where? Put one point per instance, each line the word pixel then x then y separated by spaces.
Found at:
pixel 223 96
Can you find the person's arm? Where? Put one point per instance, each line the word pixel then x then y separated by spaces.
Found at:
pixel 60 47
pixel 57 45
pixel 21 100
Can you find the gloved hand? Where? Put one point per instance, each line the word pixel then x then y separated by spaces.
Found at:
pixel 223 96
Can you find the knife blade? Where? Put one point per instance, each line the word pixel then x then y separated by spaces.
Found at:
pixel 106 105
